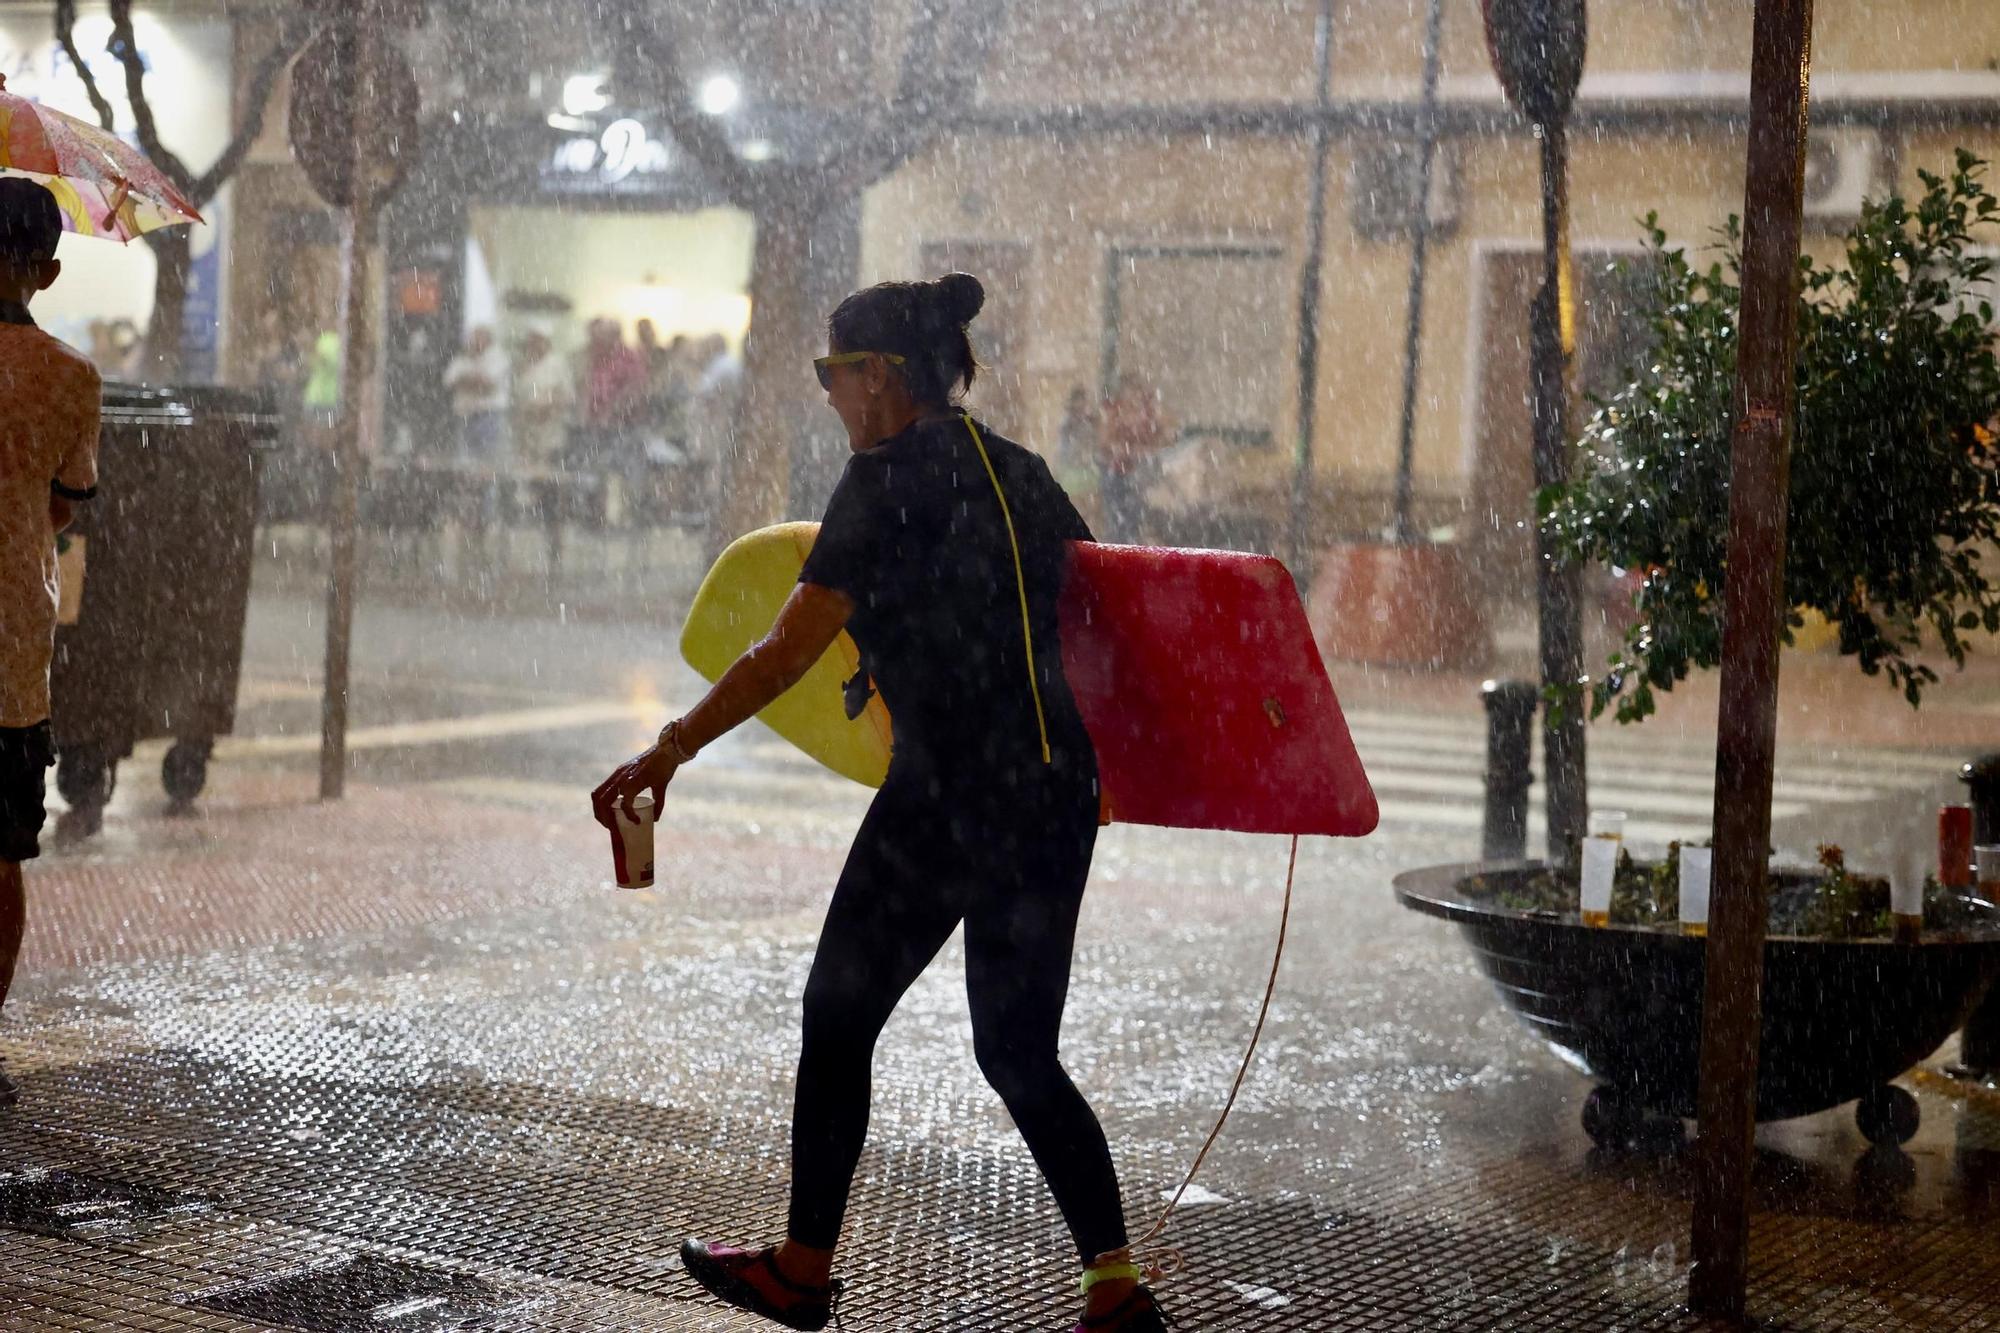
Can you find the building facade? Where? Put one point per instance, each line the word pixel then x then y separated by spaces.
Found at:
pixel 1137 177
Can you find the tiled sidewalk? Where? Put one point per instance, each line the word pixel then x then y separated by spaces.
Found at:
pixel 406 1054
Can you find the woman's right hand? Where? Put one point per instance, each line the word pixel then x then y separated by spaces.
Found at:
pixel 649 770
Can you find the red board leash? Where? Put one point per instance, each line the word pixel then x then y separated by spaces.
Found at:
pixel 1164 1261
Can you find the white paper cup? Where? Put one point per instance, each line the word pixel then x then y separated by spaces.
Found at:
pixel 1697 866
pixel 632 842
pixel 1986 857
pixel 1906 895
pixel 1600 868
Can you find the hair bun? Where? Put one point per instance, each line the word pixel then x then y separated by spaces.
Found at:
pixel 960 296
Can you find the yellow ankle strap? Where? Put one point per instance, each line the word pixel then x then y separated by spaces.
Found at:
pixel 1107 1273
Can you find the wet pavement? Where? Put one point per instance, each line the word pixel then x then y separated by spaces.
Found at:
pixel 409 1062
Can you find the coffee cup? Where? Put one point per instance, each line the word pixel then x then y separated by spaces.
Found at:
pixel 632 842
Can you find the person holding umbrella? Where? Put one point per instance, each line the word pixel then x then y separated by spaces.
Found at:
pixel 57 174
pixel 942 552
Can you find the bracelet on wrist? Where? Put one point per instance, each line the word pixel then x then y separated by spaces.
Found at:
pixel 671 742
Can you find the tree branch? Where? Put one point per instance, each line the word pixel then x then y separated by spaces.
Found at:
pixel 125 45
pixel 292 36
pixel 940 68
pixel 696 132
pixel 948 44
pixel 66 38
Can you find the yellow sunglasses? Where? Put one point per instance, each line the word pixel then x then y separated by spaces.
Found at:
pixel 823 365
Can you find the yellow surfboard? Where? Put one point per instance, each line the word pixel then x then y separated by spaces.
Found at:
pixel 736 606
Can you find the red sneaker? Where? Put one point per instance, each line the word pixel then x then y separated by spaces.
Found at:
pixel 725 1272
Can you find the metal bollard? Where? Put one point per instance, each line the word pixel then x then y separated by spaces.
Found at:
pixel 1510 716
pixel 1979 1041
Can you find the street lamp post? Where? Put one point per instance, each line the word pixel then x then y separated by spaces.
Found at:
pixel 1309 284
pixel 1402 528
pixel 1537 48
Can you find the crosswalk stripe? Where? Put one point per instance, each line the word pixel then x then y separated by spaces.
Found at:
pixel 439 731
pixel 1686 779
pixel 1423 814
pixel 1427 770
pixel 1822 764
pixel 1403 783
pixel 1468 731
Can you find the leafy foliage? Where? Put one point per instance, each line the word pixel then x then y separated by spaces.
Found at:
pixel 1895 479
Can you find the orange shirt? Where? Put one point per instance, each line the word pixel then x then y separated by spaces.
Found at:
pixel 49 397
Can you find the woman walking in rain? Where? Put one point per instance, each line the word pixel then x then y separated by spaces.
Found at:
pixel 942 553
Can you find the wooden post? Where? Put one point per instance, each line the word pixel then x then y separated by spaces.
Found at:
pixel 1759 489
pixel 357 347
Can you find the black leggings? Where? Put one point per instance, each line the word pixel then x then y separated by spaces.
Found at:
pixel 1013 870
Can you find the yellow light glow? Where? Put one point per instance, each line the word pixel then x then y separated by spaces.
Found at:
pixel 1566 296
pixel 693 312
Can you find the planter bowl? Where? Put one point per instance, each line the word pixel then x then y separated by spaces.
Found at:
pixel 1841 1018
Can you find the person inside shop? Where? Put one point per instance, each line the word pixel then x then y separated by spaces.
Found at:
pixel 714 378
pixel 1076 447
pixel 664 407
pixel 320 398
pixel 988 816
pixel 1132 432
pixel 477 380
pixel 544 400
pixel 614 395
pixel 49 397
pixel 543 397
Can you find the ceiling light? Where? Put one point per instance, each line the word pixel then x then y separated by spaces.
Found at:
pixel 719 95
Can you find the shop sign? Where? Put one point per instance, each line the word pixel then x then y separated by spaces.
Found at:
pixel 624 157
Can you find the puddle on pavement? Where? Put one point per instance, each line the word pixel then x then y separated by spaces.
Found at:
pixel 74 1206
pixel 359 1293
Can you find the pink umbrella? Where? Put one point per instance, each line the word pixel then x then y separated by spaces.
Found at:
pixel 103 185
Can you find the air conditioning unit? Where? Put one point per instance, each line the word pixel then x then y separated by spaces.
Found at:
pixel 1382 189
pixel 1845 164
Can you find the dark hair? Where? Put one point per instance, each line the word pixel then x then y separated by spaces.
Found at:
pixel 922 322
pixel 30 221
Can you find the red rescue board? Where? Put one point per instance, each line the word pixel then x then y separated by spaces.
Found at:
pixel 1204 694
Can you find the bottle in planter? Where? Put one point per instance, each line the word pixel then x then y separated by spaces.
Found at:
pixel 1697 863
pixel 1954 870
pixel 1600 865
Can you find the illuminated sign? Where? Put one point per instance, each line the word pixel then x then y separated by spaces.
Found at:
pixel 623 153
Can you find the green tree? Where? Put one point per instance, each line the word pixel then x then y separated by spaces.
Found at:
pixel 1895 478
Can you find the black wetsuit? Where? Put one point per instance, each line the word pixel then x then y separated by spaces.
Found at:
pixel 971 824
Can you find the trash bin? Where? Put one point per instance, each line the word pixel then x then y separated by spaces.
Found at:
pixel 157 645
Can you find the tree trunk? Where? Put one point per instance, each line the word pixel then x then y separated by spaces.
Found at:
pixel 173 252
pixel 778 385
